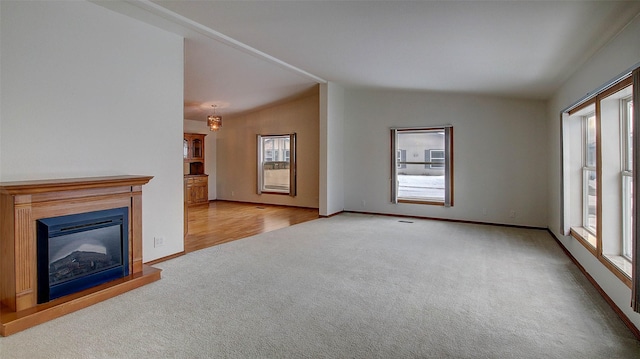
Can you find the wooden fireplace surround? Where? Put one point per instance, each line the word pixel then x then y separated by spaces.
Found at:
pixel 21 204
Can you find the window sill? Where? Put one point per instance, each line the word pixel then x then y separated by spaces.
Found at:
pixel 274 192
pixel 586 238
pixel 418 201
pixel 619 265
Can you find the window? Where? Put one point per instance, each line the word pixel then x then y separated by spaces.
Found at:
pixel 598 176
pixel 423 180
pixel 436 157
pixel 627 176
pixel 617 174
pixel 277 164
pixel 268 155
pixel 589 196
pixel 401 158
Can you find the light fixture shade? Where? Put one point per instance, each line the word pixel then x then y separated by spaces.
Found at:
pixel 214 122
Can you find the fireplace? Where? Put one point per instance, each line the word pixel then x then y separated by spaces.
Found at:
pixel 29 207
pixel 79 251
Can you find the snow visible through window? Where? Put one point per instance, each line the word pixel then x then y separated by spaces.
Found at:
pixel 420 187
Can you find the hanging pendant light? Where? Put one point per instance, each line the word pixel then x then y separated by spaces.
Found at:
pixel 214 121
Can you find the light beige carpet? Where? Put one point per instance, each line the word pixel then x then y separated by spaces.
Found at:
pixel 351 286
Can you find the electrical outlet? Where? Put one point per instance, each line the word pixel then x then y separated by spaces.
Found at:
pixel 364 203
pixel 233 193
pixel 158 242
pixel 512 213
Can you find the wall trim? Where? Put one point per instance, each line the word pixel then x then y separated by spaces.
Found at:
pixel 634 330
pixel 261 203
pixel 331 215
pixel 171 256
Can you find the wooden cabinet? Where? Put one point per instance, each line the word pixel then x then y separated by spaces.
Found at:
pixel 196 181
pixel 186 207
pixel 193 147
pixel 197 189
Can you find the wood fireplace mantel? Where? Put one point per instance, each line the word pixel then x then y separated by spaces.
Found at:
pixel 22 204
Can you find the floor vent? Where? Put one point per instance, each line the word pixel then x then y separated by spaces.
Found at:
pixel 260 207
pixel 405 221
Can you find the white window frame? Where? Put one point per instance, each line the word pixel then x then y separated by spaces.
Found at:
pixel 587 168
pixel 626 111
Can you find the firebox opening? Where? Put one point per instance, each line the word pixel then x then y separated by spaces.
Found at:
pixel 79 251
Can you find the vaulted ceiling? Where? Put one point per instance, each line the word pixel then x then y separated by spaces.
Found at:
pixel 245 54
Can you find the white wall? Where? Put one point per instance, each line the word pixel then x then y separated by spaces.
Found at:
pixel 236 160
pixel 192 126
pixel 331 149
pixel 499 154
pixel 89 92
pixel 616 57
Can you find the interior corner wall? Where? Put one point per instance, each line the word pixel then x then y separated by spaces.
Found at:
pixel 612 60
pixel 331 149
pixel 90 92
pixel 236 160
pixel 499 154
pixel 193 126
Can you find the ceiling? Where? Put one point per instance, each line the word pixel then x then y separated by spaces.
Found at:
pixel 242 55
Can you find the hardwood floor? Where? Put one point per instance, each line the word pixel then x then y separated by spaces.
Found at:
pixel 221 221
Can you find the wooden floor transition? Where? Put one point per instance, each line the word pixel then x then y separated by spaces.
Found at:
pixel 222 221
